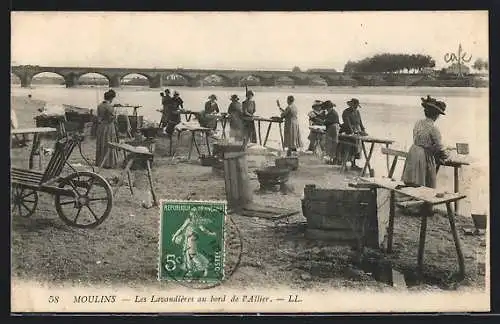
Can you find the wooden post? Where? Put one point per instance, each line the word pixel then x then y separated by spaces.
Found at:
pixel 392 213
pixel 267 133
pixel 150 179
pixel 236 179
pixel 260 136
pixel 456 185
pixel 421 244
pixel 456 239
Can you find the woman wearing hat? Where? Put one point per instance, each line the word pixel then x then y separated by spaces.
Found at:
pixel 332 123
pixel 106 132
pixel 316 118
pixel 248 107
pixel 427 150
pixel 173 113
pixel 291 139
pixel 235 122
pixel 352 125
pixel 208 118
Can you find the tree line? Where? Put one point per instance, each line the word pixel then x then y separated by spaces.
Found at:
pixel 394 63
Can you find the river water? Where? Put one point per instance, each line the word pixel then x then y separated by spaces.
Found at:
pixel 388 112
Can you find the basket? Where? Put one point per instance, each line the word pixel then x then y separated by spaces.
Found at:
pixel 272 176
pixel 207 160
pixel 149 132
pixel 291 163
pixel 480 221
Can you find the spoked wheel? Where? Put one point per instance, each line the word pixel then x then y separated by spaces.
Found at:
pixel 24 201
pixel 91 203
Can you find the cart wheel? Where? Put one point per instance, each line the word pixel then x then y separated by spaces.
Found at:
pixel 91 203
pixel 24 201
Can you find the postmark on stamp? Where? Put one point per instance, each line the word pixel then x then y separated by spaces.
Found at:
pixel 192 241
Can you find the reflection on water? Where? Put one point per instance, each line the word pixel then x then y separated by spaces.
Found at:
pixel 388 112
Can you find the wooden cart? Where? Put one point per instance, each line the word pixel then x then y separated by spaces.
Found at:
pixel 82 199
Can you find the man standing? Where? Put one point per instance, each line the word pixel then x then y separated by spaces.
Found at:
pixel 353 125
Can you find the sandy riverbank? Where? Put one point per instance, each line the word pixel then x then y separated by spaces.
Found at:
pixel 124 248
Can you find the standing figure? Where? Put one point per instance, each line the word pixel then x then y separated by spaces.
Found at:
pixel 174 113
pixel 209 115
pixel 352 125
pixel 166 102
pixel 292 140
pixel 193 260
pixel 248 107
pixel 316 118
pixel 427 150
pixel 332 124
pixel 235 122
pixel 106 132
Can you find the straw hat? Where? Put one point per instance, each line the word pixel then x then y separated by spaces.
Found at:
pixel 354 102
pixel 317 103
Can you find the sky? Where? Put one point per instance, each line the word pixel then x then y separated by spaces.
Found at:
pixel 239 40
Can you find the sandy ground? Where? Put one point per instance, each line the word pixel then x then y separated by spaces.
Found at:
pixel 275 253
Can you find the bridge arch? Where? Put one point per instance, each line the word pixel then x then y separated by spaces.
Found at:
pixel 135 79
pixel 176 79
pixel 216 79
pixel 250 80
pixel 15 79
pixel 92 78
pixel 318 81
pixel 48 77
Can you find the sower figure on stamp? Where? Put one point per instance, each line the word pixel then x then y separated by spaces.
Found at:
pixel 187 236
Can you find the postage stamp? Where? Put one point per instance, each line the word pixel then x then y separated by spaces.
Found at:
pixel 192 241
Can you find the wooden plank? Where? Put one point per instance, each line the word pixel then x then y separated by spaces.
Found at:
pixel 425 194
pixel 34 130
pixel 369 139
pixel 389 151
pixel 453 161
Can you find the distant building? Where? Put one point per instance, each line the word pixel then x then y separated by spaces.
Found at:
pixel 322 71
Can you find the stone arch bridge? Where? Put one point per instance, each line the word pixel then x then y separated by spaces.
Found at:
pixel 192 77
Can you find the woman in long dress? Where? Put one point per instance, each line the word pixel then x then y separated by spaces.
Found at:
pixel 427 150
pixel 292 140
pixel 235 122
pixel 353 125
pixel 249 109
pixel 332 124
pixel 106 132
pixel 209 115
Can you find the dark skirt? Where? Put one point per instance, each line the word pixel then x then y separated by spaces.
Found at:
pixel 249 130
pixel 350 148
pixel 105 133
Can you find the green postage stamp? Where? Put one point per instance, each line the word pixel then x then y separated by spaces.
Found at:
pixel 192 241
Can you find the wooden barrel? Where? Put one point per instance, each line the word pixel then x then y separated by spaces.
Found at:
pixel 237 182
